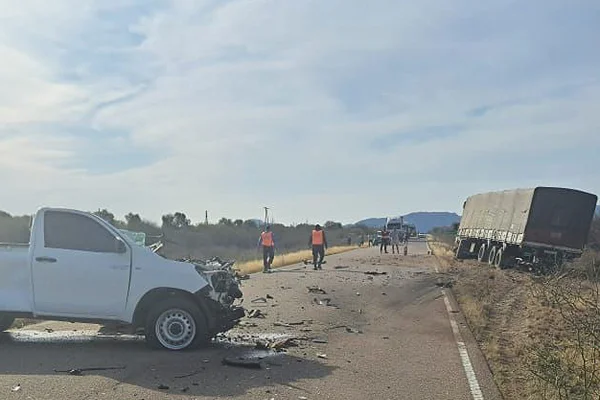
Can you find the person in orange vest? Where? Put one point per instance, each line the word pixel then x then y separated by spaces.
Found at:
pixel 318 242
pixel 267 241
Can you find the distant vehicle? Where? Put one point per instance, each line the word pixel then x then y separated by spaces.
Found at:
pixel 377 239
pixel 422 236
pixel 78 267
pixel 398 223
pixel 538 227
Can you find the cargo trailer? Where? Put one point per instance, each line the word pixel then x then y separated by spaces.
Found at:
pixel 539 226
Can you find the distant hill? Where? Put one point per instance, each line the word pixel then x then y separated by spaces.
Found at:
pixel 424 221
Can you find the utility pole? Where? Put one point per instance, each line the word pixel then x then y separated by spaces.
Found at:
pixel 266 215
pixel 206 217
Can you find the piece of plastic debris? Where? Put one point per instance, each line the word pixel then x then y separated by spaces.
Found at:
pixel 316 289
pixel 16 388
pixel 259 300
pixel 352 330
pixel 256 314
pixel 323 356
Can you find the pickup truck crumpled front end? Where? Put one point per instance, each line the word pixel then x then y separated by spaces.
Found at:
pixel 220 295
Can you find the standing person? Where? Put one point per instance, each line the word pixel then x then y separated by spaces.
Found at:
pixel 385 240
pixel 267 241
pixel 395 235
pixel 318 242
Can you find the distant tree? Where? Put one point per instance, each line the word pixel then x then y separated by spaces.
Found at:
pixel 250 223
pixel 238 222
pixel 333 225
pixel 133 220
pixel 168 220
pixel 106 215
pixel 180 220
pixel 225 221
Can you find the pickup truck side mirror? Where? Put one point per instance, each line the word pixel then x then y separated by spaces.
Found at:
pixel 120 246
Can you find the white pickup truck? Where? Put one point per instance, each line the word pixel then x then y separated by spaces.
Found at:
pixel 77 267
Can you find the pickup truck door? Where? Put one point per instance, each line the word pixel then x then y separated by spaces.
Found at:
pixel 79 267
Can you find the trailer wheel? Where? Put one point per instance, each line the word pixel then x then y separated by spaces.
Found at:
pixel 460 250
pixel 499 259
pixel 482 253
pixel 492 256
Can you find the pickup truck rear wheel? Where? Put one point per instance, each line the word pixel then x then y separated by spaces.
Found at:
pixel 175 324
pixel 5 322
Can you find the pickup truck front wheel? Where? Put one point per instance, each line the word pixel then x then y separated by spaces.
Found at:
pixel 5 322
pixel 175 324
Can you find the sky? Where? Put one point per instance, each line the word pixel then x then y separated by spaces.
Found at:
pixel 320 109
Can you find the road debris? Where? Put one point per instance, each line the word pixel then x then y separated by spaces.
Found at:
pixel 163 387
pixel 49 330
pixel 444 284
pixel 16 388
pixel 322 302
pixel 357 293
pixel 247 324
pixel 316 289
pixel 80 371
pixel 283 343
pixel 320 341
pixel 270 297
pixel 283 324
pixel 375 273
pixel 302 398
pixel 352 330
pixel 386 337
pixel 323 356
pixel 191 374
pixel 259 300
pixel 256 314
pixel 242 363
pixel 341 267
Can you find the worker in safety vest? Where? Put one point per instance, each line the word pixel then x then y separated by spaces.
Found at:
pixel 318 242
pixel 267 241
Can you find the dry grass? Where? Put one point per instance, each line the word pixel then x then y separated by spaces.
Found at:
pixel 283 260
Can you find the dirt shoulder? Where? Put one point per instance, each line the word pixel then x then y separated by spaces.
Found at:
pixel 529 343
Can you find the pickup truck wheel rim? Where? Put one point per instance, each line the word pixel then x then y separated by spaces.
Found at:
pixel 175 329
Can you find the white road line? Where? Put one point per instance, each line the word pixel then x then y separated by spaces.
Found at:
pixel 462 348
pixel 464 354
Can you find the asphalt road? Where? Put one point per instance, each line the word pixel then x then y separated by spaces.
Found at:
pixel 382 337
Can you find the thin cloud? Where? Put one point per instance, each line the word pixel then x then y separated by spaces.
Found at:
pixel 226 106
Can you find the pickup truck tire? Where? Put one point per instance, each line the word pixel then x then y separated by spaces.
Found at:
pixel 5 322
pixel 176 324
